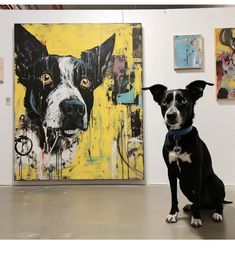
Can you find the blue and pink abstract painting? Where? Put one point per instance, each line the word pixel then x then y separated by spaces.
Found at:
pixel 188 51
pixel 225 63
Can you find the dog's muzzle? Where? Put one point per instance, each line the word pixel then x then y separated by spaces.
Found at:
pixel 172 118
pixel 74 112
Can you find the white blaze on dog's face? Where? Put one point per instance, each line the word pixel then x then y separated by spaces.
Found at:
pixel 64 91
pixel 172 116
pixel 177 109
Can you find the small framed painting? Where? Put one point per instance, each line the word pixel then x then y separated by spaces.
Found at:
pixel 188 52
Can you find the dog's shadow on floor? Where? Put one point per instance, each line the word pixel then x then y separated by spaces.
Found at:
pixel 214 230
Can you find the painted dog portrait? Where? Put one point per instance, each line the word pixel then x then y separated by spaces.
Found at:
pixel 78 102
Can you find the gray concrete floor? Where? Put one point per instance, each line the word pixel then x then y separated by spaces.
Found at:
pixel 103 212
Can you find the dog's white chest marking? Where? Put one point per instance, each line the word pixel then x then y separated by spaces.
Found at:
pixel 175 156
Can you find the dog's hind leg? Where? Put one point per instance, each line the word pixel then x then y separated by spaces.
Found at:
pixel 189 194
pixel 218 214
pixel 188 208
pixel 217 195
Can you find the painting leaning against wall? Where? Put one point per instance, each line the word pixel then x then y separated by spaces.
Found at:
pixel 225 62
pixel 78 102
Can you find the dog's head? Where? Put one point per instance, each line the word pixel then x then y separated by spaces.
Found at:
pixel 59 89
pixel 177 106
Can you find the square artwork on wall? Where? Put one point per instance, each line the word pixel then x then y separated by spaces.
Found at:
pixel 225 62
pixel 78 102
pixel 188 52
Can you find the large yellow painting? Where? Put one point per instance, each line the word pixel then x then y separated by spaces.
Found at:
pixel 78 102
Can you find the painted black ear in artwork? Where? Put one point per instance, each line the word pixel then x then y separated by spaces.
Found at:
pixel 226 38
pixel 97 59
pixel 27 49
pixel 197 87
pixel 157 91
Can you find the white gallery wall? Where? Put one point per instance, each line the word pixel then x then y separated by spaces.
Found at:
pixel 214 120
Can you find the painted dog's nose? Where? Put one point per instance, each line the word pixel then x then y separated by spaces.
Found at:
pixel 171 116
pixel 72 107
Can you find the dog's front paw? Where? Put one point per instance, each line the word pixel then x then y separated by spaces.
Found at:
pixel 196 222
pixel 172 218
pixel 217 217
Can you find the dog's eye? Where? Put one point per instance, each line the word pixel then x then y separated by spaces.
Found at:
pixel 85 83
pixel 164 103
pixel 184 101
pixel 46 79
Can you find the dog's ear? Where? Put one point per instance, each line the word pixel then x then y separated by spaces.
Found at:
pixel 157 91
pixel 27 50
pixel 197 87
pixel 97 59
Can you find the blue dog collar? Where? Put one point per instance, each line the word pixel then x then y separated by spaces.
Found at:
pixel 180 132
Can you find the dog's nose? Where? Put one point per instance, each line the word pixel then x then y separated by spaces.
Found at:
pixel 72 107
pixel 171 116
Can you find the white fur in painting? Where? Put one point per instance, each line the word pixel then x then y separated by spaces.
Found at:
pixel 65 90
pixel 44 162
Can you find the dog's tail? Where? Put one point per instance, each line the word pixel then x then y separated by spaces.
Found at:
pixel 227 202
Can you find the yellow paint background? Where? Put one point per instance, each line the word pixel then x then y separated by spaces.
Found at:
pixel 106 118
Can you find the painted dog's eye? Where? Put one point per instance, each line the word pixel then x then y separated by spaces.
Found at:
pixel 163 103
pixel 46 79
pixel 184 101
pixel 85 83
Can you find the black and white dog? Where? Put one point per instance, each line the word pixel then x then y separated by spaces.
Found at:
pixel 59 92
pixel 186 155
